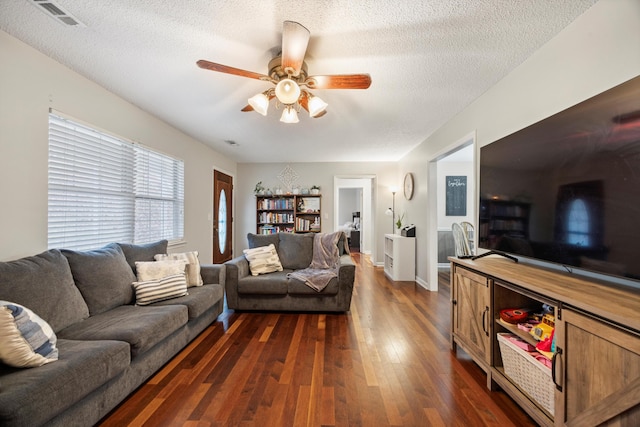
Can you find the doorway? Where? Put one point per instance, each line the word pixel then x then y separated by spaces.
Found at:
pixel 357 192
pixel 457 160
pixel 222 217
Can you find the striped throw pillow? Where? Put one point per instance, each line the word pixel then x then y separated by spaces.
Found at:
pixel 193 265
pixel 263 259
pixel 26 341
pixel 169 287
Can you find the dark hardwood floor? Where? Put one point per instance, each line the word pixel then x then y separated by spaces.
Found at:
pixel 385 363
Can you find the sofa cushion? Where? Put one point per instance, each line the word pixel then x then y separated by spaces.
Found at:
pixel 257 240
pixel 265 284
pixel 103 276
pixel 141 326
pixel 295 250
pixel 198 300
pixel 26 341
pixel 159 290
pixel 193 265
pixel 144 252
pixel 263 260
pixel 297 287
pixel 44 284
pixel 36 395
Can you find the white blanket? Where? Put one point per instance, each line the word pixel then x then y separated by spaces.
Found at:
pixel 324 264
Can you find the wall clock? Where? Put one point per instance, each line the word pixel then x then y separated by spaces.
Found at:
pixel 408 186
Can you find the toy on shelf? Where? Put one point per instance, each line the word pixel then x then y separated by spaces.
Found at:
pixel 545 328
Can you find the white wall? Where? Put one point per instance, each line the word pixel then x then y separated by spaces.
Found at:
pixel 597 51
pixel 321 174
pixel 30 84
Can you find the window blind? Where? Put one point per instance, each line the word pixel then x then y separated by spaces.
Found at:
pixel 105 189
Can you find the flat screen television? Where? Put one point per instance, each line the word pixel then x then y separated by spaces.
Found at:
pixel 566 190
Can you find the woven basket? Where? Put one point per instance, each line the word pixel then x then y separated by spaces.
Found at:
pixel 527 373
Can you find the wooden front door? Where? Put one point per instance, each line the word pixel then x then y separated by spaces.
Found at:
pixel 222 217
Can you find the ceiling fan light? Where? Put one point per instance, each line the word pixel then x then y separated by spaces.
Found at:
pixel 287 91
pixel 289 115
pixel 260 103
pixel 316 105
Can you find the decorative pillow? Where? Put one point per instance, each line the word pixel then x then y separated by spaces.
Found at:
pixel 155 270
pixel 263 259
pixel 193 265
pixel 151 291
pixel 26 341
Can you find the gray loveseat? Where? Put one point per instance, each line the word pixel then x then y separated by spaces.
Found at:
pixel 276 291
pixel 107 345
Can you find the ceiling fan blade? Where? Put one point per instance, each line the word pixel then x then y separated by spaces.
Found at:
pixel 231 70
pixel 295 39
pixel 342 81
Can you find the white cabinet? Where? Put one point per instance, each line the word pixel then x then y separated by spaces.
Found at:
pixel 399 257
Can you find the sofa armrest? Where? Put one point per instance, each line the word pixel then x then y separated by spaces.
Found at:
pixel 346 272
pixel 237 268
pixel 213 273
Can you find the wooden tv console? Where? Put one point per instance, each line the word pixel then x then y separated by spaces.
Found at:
pixel 596 367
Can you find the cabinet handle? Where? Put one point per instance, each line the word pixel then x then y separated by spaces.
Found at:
pixel 554 363
pixel 484 321
pixel 454 302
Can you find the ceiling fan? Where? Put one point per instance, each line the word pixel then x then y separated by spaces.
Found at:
pixel 288 72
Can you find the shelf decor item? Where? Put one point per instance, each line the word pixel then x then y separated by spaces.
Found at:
pixel 259 189
pixel 315 190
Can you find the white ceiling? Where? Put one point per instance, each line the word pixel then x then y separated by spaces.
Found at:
pixel 427 59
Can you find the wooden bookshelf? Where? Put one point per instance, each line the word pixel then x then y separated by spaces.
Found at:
pixel 299 213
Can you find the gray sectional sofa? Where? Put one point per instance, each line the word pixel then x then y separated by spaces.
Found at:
pixel 108 346
pixel 277 291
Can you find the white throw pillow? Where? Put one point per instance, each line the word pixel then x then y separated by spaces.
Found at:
pixel 263 259
pixel 155 270
pixel 26 340
pixel 193 265
pixel 168 287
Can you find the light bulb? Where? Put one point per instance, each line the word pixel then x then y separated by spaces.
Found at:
pixel 316 105
pixel 289 115
pixel 260 103
pixel 287 91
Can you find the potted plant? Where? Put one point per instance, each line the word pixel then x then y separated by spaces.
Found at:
pixel 315 189
pixel 399 221
pixel 259 190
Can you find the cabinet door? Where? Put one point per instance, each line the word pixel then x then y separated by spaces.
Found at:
pixel 470 308
pixel 599 369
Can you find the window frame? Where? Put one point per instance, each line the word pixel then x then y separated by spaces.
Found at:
pixel 96 183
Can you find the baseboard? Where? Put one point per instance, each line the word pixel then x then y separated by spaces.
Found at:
pixel 424 284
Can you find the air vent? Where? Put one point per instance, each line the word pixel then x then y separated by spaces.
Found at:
pixel 57 12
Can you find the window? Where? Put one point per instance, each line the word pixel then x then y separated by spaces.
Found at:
pixel 578 224
pixel 580 214
pixel 105 189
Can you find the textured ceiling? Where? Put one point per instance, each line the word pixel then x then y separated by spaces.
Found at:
pixel 427 59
